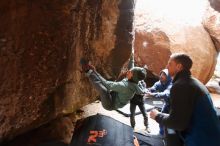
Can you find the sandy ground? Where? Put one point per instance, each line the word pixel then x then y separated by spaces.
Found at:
pixel 96 107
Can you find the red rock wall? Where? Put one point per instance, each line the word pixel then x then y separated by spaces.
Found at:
pixel 41 43
pixel 158 36
pixel 212 24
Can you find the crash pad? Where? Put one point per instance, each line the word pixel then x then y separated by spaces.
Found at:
pixel 103 131
pixel 156 102
pixel 146 139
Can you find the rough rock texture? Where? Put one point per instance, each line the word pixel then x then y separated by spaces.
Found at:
pixel 159 32
pixel 41 43
pixel 211 23
pixel 60 130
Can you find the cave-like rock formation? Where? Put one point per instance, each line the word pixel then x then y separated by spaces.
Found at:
pixel 41 43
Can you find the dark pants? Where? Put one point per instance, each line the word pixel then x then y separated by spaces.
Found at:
pixel 107 98
pixel 173 138
pixel 165 109
pixel 137 100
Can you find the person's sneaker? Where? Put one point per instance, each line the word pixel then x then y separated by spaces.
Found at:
pixel 146 125
pixel 86 66
pixel 148 129
pixel 132 121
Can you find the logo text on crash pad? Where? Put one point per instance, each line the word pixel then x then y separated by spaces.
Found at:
pixel 94 134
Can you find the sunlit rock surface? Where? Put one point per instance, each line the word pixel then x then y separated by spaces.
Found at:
pixel 41 43
pixel 211 23
pixel 168 28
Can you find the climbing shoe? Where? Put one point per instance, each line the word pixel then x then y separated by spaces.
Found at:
pixel 146 125
pixel 86 66
pixel 132 121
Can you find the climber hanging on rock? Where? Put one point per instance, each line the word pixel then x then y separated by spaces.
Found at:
pixel 115 94
pixel 138 99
